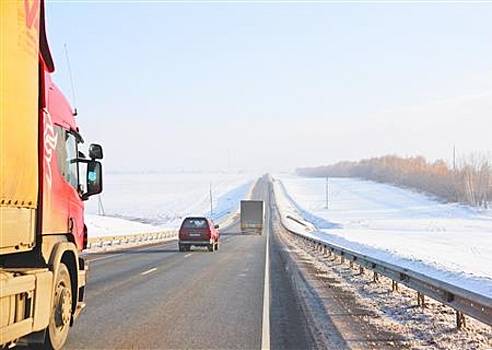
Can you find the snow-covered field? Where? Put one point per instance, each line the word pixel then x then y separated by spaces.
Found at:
pixel 446 241
pixel 135 203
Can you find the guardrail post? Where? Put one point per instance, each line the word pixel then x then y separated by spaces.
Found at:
pixel 394 286
pixel 421 300
pixel 460 320
pixel 375 277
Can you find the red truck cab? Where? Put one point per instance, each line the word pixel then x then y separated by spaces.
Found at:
pixel 198 232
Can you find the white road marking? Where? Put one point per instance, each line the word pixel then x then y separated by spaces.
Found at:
pixel 265 325
pixel 187 255
pixel 149 271
pixel 104 257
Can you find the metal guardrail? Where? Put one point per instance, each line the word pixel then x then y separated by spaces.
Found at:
pixel 111 241
pixel 463 301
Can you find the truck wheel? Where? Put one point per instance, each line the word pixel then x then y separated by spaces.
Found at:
pixel 181 248
pixel 61 312
pixel 211 247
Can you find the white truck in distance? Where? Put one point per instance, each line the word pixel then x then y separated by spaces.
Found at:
pixel 252 216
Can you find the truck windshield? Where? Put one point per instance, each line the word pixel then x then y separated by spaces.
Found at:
pixel 195 223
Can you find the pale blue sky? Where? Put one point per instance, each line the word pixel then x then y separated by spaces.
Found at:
pixel 274 86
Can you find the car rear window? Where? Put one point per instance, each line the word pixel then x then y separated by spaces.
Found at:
pixel 195 223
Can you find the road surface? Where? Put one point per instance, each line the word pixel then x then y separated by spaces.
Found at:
pixel 157 297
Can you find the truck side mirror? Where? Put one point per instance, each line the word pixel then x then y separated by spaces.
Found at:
pixel 95 151
pixel 94 179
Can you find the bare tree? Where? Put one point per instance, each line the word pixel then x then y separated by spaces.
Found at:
pixel 469 182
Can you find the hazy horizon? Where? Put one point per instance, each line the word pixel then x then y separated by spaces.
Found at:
pixel 273 87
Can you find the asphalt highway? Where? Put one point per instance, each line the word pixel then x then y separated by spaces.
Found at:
pixel 157 297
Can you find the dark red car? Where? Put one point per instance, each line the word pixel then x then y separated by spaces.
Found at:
pixel 198 232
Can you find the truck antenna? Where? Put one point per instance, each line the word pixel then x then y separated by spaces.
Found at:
pixel 72 85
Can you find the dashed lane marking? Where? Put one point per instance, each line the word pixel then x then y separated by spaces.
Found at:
pixel 149 271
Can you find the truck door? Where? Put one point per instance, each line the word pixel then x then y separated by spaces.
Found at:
pixel 71 174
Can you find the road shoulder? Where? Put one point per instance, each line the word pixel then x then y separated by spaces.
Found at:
pixel 333 316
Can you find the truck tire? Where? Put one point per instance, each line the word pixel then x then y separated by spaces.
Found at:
pixel 61 312
pixel 181 248
pixel 211 247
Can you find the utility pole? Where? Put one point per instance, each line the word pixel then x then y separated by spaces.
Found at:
pixel 100 207
pixel 326 193
pixel 211 202
pixel 454 157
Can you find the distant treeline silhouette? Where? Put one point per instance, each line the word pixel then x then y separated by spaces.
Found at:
pixel 469 181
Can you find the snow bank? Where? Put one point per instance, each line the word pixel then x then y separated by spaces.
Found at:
pixel 135 203
pixel 449 242
pixel 100 226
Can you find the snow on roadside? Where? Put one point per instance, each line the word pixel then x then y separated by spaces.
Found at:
pixel 139 203
pixel 100 226
pixel 432 327
pixel 445 241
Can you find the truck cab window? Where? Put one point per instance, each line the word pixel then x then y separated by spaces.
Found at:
pixel 66 152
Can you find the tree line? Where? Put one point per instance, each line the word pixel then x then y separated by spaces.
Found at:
pixel 468 181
